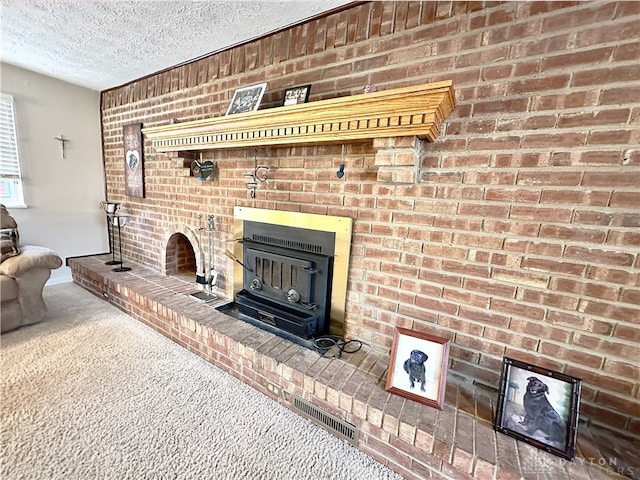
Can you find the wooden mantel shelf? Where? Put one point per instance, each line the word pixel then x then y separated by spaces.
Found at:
pixel 417 110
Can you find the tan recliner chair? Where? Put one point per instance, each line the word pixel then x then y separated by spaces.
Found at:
pixel 24 270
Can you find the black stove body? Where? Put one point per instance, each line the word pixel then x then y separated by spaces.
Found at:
pixel 287 274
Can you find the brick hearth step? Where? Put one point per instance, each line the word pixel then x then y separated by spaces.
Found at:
pixel 415 440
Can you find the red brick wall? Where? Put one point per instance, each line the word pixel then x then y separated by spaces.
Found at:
pixel 521 233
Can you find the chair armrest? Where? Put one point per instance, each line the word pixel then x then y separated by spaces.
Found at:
pixel 30 257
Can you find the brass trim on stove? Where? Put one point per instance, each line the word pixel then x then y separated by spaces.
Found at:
pixel 340 226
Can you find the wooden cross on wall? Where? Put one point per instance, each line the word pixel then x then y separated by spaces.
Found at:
pixel 61 139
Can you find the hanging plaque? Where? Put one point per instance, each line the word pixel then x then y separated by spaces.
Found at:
pixel 133 161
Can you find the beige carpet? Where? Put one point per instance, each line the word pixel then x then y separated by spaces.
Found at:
pixel 92 394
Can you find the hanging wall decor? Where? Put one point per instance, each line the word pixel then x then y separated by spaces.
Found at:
pixel 133 162
pixel 201 169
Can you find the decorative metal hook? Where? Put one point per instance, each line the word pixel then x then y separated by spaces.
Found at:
pixel 259 174
pixel 340 172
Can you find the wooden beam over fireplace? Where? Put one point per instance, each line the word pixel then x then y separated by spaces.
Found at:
pixel 417 110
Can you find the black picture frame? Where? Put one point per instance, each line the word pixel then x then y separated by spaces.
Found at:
pixel 246 99
pixel 413 376
pixel 296 95
pixel 539 406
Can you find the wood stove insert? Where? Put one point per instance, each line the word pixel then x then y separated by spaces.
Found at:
pixel 288 273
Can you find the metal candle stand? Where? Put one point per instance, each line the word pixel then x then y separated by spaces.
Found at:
pixel 120 220
pixel 111 209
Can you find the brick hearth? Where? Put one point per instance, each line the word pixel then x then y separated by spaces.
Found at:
pixel 415 440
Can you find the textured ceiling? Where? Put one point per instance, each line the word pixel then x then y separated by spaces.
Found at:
pixel 104 44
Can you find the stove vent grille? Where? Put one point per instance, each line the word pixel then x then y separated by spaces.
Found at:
pixel 286 243
pixel 335 425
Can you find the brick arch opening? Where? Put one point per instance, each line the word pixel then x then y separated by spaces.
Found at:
pixel 182 252
pixel 180 257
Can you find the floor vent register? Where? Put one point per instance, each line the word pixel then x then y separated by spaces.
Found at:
pixel 335 425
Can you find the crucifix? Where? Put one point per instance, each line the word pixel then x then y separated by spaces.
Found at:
pixel 61 139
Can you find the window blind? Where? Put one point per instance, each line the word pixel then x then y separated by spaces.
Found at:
pixel 9 161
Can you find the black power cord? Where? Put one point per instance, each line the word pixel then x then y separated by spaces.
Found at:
pixel 333 346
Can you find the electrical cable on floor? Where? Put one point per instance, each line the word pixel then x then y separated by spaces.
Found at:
pixel 333 346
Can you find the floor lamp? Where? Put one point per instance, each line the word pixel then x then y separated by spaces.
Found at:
pixel 120 220
pixel 110 209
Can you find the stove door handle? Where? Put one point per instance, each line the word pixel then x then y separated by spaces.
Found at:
pixel 311 270
pixel 267 317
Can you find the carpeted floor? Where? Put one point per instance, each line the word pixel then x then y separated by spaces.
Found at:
pixel 92 394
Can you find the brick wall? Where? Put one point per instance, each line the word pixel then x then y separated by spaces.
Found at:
pixel 516 233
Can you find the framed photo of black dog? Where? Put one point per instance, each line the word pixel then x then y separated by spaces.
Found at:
pixel 539 406
pixel 418 367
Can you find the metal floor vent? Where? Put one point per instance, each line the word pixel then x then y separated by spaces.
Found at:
pixel 335 425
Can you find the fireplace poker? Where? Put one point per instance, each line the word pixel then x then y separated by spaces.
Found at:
pixel 201 278
pixel 235 259
pixel 212 277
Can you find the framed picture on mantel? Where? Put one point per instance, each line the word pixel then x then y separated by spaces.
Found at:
pixel 246 99
pixel 295 95
pixel 133 161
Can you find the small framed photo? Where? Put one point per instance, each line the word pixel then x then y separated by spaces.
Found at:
pixel 246 99
pixel 418 367
pixel 295 95
pixel 539 407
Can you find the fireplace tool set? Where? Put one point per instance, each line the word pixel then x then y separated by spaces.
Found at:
pixel 208 277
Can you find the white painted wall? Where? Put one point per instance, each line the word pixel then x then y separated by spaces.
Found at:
pixel 62 195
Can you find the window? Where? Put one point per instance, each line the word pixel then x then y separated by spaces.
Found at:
pixel 10 178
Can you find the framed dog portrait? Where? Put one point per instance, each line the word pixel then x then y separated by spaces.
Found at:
pixel 539 406
pixel 246 99
pixel 133 161
pixel 418 367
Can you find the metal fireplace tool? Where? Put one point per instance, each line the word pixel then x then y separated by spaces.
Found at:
pixel 208 277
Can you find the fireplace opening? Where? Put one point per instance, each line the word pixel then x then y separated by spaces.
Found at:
pixel 180 257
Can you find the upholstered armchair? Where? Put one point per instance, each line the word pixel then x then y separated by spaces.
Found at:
pixel 24 270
